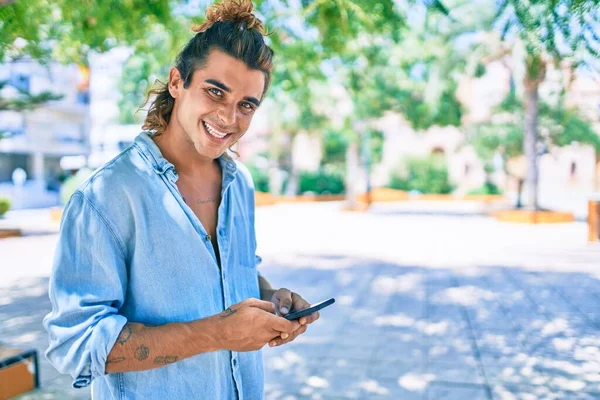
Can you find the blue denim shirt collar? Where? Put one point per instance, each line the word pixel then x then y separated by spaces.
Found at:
pixel 161 165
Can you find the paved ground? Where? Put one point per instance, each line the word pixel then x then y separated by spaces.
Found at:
pixel 433 302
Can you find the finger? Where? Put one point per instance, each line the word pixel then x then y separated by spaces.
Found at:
pixel 280 340
pixel 284 338
pixel 263 305
pixel 298 303
pixel 284 297
pixel 281 324
pixel 309 319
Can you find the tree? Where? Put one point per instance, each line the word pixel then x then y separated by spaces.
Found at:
pixel 415 77
pixel 151 59
pixel 552 32
pixel 560 126
pixel 24 100
pixel 63 31
pixel 309 65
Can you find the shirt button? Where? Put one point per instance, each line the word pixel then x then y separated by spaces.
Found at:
pixel 207 238
pixel 234 362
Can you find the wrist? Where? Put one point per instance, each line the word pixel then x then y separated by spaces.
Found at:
pixel 207 334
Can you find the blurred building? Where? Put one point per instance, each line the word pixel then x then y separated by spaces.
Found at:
pixel 37 140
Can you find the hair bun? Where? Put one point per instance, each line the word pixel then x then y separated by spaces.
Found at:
pixel 237 11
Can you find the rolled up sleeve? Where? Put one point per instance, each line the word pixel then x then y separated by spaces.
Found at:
pixel 87 289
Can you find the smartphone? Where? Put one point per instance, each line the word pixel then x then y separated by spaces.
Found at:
pixel 307 311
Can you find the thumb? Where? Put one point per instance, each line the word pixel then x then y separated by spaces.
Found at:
pixel 285 301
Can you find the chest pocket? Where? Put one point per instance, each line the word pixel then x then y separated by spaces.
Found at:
pixel 242 243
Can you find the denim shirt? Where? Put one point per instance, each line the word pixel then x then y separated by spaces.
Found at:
pixel 130 249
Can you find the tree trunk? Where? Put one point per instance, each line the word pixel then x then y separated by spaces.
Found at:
pixel 291 188
pixel 535 75
pixel 352 175
pixel 519 194
pixel 530 141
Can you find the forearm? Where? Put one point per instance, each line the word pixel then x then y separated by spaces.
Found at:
pixel 140 347
pixel 266 290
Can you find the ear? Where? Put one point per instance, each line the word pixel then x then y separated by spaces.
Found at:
pixel 175 82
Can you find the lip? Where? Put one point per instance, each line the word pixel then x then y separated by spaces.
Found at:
pixel 214 139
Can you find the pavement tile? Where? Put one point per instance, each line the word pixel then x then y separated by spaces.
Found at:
pixel 450 391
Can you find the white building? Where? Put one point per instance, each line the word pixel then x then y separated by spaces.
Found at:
pixel 37 140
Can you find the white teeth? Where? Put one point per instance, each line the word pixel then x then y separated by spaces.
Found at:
pixel 214 132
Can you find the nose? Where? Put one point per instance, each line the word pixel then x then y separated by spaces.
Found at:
pixel 227 115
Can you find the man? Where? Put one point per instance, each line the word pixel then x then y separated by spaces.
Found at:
pixel 154 291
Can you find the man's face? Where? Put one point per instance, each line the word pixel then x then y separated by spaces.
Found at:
pixel 215 111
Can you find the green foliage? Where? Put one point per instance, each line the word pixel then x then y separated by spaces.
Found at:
pixel 72 183
pixel 479 70
pixel 569 127
pixel 324 181
pixel 488 188
pixel 342 20
pixel 64 31
pixel 563 29
pixel 449 111
pixel 426 175
pixel 335 145
pixel 25 100
pixel 505 139
pixel 151 60
pixel 4 205
pixel 375 146
pixel 260 178
pixel 559 127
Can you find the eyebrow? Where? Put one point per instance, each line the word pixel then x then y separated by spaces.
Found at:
pixel 227 89
pixel 218 84
pixel 253 100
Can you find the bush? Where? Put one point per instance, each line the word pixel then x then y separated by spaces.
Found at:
pixel 323 181
pixel 426 175
pixel 260 178
pixel 72 183
pixel 487 189
pixel 4 205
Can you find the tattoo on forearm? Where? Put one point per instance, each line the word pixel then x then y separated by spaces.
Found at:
pixel 125 334
pixel 165 360
pixel 229 311
pixel 141 353
pixel 209 200
pixel 115 360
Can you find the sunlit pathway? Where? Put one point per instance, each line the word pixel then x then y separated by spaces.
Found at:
pixel 432 303
pixel 400 332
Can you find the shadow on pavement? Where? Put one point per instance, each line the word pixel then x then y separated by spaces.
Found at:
pixel 401 332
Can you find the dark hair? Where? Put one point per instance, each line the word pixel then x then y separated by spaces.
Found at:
pixel 230 27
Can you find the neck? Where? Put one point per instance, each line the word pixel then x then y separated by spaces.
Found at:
pixel 176 147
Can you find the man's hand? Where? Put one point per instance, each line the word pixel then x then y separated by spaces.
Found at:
pixel 286 301
pixel 251 324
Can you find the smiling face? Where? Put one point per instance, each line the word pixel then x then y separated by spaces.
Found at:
pixel 215 111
